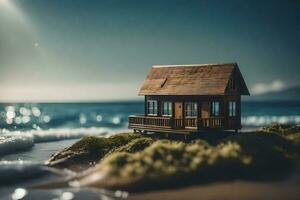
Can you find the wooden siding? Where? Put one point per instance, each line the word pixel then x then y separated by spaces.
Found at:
pixel 233 121
pixel 204 120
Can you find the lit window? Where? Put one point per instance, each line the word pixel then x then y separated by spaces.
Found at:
pixel 232 108
pixel 167 108
pixel 215 108
pixel 152 107
pixel 190 109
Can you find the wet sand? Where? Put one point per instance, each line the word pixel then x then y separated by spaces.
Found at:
pixel 227 190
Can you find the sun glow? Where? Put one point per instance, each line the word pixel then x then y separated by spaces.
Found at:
pixel 9 6
pixel 3 1
pixel 10 9
pixel 15 15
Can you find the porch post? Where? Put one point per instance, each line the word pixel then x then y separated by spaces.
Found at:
pixel 173 115
pixel 145 105
pixel 199 119
pixel 183 114
pixel 224 112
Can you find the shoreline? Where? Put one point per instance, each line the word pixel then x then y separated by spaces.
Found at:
pixel 226 190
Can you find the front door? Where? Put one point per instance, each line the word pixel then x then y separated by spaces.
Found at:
pixel 205 114
pixel 178 121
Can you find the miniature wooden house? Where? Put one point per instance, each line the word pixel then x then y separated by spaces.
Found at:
pixel 191 98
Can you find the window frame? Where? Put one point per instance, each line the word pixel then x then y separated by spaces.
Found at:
pixel 232 111
pixel 168 108
pixel 191 109
pixel 215 108
pixel 152 106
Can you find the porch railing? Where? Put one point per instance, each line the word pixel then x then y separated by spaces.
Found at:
pixel 212 122
pixel 168 122
pixel 150 121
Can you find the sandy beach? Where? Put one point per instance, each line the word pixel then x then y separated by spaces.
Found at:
pixel 227 190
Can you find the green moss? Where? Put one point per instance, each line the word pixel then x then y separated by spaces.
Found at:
pixel 102 145
pixel 289 136
pixel 140 162
pixel 283 129
pixel 165 163
pixel 272 155
pixel 172 160
pixel 91 149
pixel 135 145
pixel 291 132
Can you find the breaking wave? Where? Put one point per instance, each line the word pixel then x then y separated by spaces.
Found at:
pixel 267 120
pixel 10 144
pixel 56 134
pixel 13 141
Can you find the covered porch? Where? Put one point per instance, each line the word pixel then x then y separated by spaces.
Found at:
pixel 170 124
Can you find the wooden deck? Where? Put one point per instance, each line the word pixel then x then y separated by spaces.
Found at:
pixel 169 124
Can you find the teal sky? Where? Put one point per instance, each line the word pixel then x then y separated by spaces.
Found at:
pixel 71 50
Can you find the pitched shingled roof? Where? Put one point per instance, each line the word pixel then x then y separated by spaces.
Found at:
pixel 198 79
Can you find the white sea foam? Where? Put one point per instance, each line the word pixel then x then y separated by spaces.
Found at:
pixel 61 134
pixel 14 143
pixel 55 134
pixel 267 120
pixel 67 194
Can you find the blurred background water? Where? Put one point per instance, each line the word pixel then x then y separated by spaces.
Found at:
pixel 114 115
pixel 67 115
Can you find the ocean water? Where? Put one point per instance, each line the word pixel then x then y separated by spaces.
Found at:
pixel 31 132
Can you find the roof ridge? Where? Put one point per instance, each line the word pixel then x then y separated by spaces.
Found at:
pixel 193 65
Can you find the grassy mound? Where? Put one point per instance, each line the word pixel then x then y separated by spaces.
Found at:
pixel 289 132
pixel 90 150
pixel 171 163
pixel 273 156
pixel 134 162
pixel 259 156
